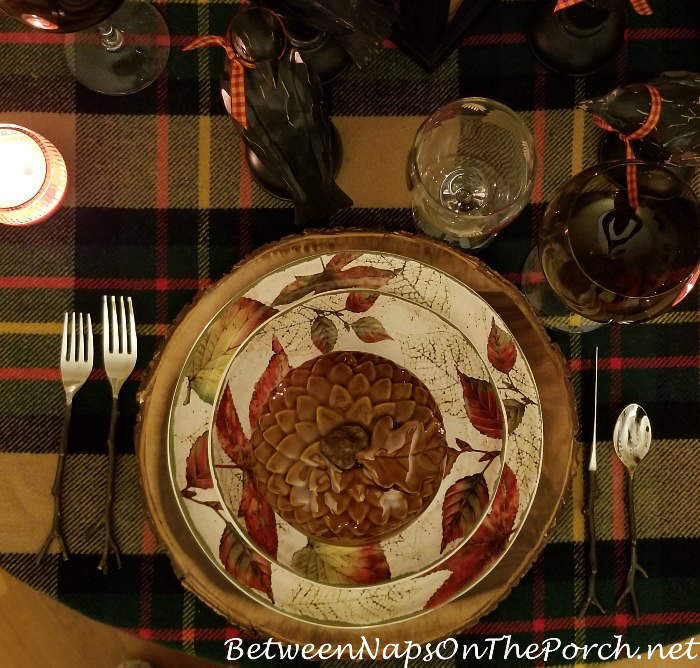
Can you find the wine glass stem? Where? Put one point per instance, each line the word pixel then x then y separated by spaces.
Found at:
pixel 112 39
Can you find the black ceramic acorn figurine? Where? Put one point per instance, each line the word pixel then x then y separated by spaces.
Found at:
pixel 675 139
pixel 331 34
pixel 578 39
pixel 287 132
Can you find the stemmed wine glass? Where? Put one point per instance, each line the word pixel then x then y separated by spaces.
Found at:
pixel 470 171
pixel 125 53
pixel 610 257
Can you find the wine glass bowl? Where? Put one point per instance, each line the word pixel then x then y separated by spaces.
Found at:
pixel 470 171
pixel 611 261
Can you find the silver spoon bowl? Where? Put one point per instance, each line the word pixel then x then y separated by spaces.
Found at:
pixel 632 436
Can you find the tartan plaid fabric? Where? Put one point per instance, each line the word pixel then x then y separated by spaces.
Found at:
pixel 162 204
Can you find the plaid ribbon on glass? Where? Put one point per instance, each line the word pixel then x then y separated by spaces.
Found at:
pixel 640 6
pixel 648 125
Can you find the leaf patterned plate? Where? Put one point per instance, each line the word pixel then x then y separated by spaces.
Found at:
pixel 192 411
pixel 456 377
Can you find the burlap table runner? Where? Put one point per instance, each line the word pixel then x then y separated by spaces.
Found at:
pixel 160 205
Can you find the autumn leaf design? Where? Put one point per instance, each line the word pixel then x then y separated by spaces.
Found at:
pixel 333 277
pixel 341 260
pixel 324 333
pixel 331 564
pixel 215 350
pixel 259 517
pixel 230 433
pixel 256 512
pixel 500 348
pixel 481 403
pixel 370 330
pixel 463 446
pixel 514 413
pixel 359 302
pixel 197 473
pixel 464 502
pixel 245 564
pixel 450 459
pixel 486 545
pixel 277 369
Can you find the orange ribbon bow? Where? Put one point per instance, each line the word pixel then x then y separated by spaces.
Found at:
pixel 640 6
pixel 236 74
pixel 648 125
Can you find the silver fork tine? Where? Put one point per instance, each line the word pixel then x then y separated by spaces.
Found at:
pixel 64 338
pixel 105 327
pixel 115 327
pixel 89 342
pixel 132 328
pixel 81 344
pixel 72 336
pixel 122 320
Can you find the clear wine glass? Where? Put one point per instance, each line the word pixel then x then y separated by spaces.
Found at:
pixel 608 260
pixel 125 49
pixel 470 171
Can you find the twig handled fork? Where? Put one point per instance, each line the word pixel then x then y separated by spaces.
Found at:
pixel 76 364
pixel 119 352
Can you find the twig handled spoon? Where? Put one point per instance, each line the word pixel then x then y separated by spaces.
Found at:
pixel 632 439
pixel 589 511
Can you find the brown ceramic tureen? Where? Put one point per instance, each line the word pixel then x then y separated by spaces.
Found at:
pixel 349 448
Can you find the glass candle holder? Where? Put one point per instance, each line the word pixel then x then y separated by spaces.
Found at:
pixel 471 170
pixel 33 176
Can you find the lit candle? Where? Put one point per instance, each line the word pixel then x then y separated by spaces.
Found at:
pixel 33 176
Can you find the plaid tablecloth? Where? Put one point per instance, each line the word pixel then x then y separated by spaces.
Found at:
pixel 160 205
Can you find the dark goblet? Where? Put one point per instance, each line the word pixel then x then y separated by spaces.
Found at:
pixel 577 40
pixel 125 49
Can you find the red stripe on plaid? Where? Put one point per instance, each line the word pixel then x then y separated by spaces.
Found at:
pixel 617 362
pixel 481 629
pixel 106 283
pixel 148 546
pixel 591 622
pixel 484 39
pixel 29 373
pixel 538 609
pixel 609 364
pixel 49 373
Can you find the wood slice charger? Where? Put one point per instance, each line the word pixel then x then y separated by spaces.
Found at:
pixel 201 577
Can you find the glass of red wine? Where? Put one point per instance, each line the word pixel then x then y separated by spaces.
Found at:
pixel 116 47
pixel 608 258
